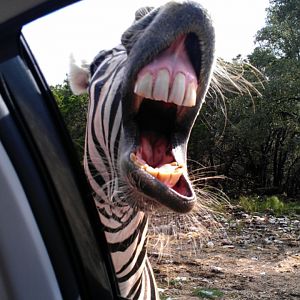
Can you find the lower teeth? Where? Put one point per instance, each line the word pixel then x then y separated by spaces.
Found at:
pixel 169 174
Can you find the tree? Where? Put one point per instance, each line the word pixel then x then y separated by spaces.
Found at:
pixel 260 148
pixel 278 55
pixel 281 34
pixel 74 111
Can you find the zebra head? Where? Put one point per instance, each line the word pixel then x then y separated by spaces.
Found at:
pixel 148 92
pixel 170 59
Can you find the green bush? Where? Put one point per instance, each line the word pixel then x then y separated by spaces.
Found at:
pixel 74 111
pixel 208 293
pixel 272 204
pixel 249 204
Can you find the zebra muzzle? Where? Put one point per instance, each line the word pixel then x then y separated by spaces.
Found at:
pixel 165 89
pixel 170 80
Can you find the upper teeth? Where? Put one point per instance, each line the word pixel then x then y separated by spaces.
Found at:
pixel 161 87
pixel 179 91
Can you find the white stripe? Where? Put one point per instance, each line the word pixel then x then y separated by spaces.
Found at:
pixel 124 233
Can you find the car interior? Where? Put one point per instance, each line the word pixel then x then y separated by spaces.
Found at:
pixel 51 243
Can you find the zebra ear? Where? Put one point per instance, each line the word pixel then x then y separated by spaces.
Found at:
pixel 78 77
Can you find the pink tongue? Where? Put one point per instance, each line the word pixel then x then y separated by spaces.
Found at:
pixel 153 150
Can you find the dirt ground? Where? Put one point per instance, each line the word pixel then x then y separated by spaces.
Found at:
pixel 251 257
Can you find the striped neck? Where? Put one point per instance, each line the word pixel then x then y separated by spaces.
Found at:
pixel 125 227
pixel 126 234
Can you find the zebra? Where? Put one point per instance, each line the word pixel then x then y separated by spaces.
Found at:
pixel 145 95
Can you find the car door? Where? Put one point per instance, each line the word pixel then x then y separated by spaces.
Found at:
pixel 51 242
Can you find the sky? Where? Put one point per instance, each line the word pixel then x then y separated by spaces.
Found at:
pixel 89 26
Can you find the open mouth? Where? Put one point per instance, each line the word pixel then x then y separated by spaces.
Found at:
pixel 156 123
pixel 165 91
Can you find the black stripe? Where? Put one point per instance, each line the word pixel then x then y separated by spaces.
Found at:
pixel 134 287
pixel 100 150
pixel 123 225
pixel 133 256
pixel 102 117
pixel 106 215
pixel 152 284
pixel 116 147
pixel 114 75
pixel 99 85
pixel 137 265
pixel 122 246
pixel 98 199
pixel 113 112
pixel 94 172
pixel 138 292
pixel 100 57
pixel 97 90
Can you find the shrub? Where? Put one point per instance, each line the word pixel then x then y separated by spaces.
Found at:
pixel 272 204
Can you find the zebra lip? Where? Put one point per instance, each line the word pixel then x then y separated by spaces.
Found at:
pixel 178 197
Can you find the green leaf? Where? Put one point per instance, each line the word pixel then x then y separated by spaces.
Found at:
pixel 208 293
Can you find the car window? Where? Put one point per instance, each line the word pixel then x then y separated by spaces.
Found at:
pixel 81 30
